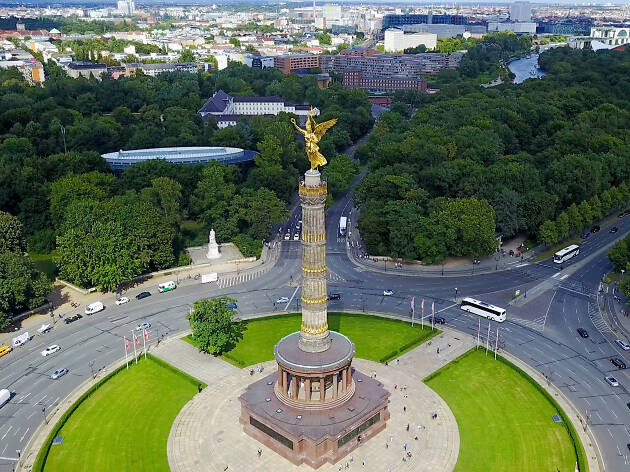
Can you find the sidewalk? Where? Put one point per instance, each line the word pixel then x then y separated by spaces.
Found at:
pixel 63 296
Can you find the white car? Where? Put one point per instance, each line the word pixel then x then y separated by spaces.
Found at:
pixel 122 300
pixel 51 350
pixel 296 237
pixel 287 236
pixel 59 373
pixel 142 326
pixel 282 300
pixel 611 381
pixel 623 344
pixel 387 293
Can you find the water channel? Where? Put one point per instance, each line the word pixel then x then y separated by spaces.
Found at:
pixel 526 68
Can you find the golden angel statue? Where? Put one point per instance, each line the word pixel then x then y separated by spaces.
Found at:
pixel 312 134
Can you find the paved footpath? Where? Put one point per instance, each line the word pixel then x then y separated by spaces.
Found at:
pixel 206 435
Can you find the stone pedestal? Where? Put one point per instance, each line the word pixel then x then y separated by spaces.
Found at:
pixel 213 247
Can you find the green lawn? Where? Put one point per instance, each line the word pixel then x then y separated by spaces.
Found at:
pixel 504 421
pixel 45 264
pixel 378 339
pixel 124 425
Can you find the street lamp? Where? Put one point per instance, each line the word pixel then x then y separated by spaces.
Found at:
pixel 91 363
pixel 44 415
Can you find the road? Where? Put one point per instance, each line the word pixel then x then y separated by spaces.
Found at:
pixel 540 329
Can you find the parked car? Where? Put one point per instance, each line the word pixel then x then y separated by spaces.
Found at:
pixel 4 350
pixel 282 300
pixel 5 396
pixel 611 381
pixel 621 215
pixel 618 363
pixel 595 229
pixel 585 234
pixel 59 373
pixel 582 332
pixel 623 344
pixel 334 296
pixel 122 300
pixel 387 293
pixel 142 295
pixel 232 306
pixel 436 320
pixel 73 318
pixel 51 350
pixel 626 212
pixel 141 326
pixel 296 237
pixel 167 286
pixel 94 307
pixel 614 229
pixel 287 236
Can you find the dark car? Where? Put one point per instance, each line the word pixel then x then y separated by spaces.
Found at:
pixel 618 363
pixel 142 295
pixel 585 234
pixel 436 320
pixel 232 306
pixel 582 332
pixel 334 296
pixel 621 215
pixel 614 229
pixel 73 318
pixel 626 212
pixel 595 229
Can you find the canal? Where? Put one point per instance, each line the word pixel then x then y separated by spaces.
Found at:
pixel 526 68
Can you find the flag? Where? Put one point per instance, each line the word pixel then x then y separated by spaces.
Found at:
pixel 126 345
pixel 412 304
pixel 146 335
pixel 422 307
pixel 433 308
pixel 135 339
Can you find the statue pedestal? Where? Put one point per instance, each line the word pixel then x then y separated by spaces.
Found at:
pixel 213 247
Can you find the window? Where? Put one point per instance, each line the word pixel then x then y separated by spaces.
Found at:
pixel 271 433
pixel 359 429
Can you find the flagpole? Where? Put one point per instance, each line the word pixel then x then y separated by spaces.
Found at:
pixel 432 315
pixel 478 331
pixel 413 310
pixel 144 343
pixel 126 348
pixel 422 313
pixel 488 338
pixel 135 355
pixel 496 344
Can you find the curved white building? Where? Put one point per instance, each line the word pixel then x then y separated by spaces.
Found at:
pixel 120 160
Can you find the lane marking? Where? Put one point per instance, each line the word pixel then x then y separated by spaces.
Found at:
pixel 291 299
pixel 25 433
pixel 24 397
pixel 41 399
pixel 7 432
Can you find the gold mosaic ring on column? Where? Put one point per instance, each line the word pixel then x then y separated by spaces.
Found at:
pixel 314 301
pixel 320 330
pixel 316 270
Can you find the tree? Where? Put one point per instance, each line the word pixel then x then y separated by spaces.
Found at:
pixel 11 238
pixel 619 254
pixel 563 226
pixel 21 286
pixel 213 327
pixel 187 56
pixel 576 222
pixel 586 213
pixel 339 173
pixel 548 233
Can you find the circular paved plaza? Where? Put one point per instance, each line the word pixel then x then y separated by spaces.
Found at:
pixel 206 435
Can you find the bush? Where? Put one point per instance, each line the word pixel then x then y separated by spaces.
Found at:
pixel 248 246
pixel 42 242
pixel 183 259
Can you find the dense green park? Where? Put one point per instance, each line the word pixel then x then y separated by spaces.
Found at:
pixel 504 420
pixel 117 428
pixel 377 339
pixel 547 158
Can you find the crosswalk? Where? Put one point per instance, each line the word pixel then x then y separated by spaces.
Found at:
pixel 596 317
pixel 578 288
pixel 537 324
pixel 230 280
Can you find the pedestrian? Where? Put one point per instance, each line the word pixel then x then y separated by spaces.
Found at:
pixel 405 446
pixel 404 459
pixel 351 459
pixel 405 409
pixel 386 364
pixel 397 361
pixel 438 350
pixel 199 389
pixel 416 438
pixel 363 463
pixel 386 445
pixel 259 452
pixel 407 426
pixel 347 465
pixel 395 386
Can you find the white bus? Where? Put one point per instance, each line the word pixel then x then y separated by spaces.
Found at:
pixel 566 253
pixel 483 309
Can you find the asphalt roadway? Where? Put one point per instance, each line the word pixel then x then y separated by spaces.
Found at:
pixel 540 330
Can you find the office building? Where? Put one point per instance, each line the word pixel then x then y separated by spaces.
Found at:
pixel 397 40
pixel 296 62
pixel 227 109
pixel 521 12
pixel 359 80
pixel 398 21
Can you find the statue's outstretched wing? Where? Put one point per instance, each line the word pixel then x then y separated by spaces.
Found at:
pixel 321 128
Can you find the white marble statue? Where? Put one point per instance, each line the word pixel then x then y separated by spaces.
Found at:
pixel 213 247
